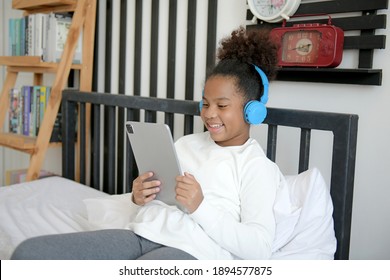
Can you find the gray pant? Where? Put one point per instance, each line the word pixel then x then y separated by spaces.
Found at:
pixel 112 244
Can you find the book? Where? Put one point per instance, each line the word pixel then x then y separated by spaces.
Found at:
pixel 33 110
pixel 39 34
pixel 30 34
pixel 12 37
pixel 26 110
pixel 14 97
pixel 22 36
pixel 42 106
pixel 49 55
pixel 20 113
pixel 58 28
pixel 37 108
pixel 17 36
pixel 45 35
pixel 17 176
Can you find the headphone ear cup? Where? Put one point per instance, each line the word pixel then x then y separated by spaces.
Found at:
pixel 255 112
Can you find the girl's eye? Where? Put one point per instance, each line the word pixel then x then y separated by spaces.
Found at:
pixel 222 106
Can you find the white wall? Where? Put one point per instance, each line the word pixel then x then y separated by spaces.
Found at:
pixel 371 205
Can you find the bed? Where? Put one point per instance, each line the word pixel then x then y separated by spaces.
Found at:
pixel 55 204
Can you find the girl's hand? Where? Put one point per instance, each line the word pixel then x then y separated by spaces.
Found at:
pixel 188 192
pixel 145 191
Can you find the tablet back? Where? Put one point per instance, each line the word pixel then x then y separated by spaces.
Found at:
pixel 154 150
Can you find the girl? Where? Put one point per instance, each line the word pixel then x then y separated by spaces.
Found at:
pixel 229 187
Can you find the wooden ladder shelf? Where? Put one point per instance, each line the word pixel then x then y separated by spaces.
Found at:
pixel 83 19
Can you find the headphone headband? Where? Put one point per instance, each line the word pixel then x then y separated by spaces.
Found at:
pixel 264 80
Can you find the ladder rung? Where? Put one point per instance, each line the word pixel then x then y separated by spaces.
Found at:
pixel 28 4
pixel 27 63
pixel 21 60
pixel 22 143
pixel 18 142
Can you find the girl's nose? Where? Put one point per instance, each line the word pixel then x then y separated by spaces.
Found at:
pixel 209 112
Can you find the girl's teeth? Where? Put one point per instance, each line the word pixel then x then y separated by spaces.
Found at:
pixel 215 125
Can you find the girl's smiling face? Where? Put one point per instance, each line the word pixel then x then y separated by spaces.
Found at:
pixel 222 111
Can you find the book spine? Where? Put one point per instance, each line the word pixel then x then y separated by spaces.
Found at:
pixel 10 96
pixel 16 100
pixel 26 35
pixel 22 36
pixel 20 112
pixel 17 36
pixel 12 37
pixel 38 109
pixel 38 35
pixel 31 36
pixel 33 112
pixel 45 34
pixel 26 114
pixel 50 38
pixel 42 104
pixel 13 115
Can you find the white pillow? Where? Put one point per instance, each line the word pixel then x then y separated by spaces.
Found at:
pixel 312 236
pixel 286 215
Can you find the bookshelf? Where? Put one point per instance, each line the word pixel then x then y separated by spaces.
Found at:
pixel 83 20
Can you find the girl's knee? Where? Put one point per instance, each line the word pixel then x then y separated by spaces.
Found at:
pixel 26 250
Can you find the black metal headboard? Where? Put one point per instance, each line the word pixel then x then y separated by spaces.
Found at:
pixel 114 171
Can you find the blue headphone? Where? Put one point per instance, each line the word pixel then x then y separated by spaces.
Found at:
pixel 255 111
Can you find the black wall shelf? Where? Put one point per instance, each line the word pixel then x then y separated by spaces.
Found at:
pixel 364 19
pixel 332 75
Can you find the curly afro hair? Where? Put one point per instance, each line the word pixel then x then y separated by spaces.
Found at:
pixel 237 54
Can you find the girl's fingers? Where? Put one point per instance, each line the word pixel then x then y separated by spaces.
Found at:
pixel 143 190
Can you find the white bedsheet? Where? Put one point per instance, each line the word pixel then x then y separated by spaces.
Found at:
pixel 51 205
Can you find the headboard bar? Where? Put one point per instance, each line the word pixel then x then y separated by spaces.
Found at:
pixel 109 151
pixel 304 150
pixel 342 178
pixel 82 142
pixel 271 141
pixel 95 155
pixel 343 126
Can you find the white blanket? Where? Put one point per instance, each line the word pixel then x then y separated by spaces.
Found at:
pixel 47 206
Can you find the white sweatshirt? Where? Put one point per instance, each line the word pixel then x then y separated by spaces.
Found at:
pixel 235 220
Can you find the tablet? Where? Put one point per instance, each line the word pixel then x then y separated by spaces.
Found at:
pixel 154 150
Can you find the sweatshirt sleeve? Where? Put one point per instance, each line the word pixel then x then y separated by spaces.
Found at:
pixel 114 211
pixel 251 237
